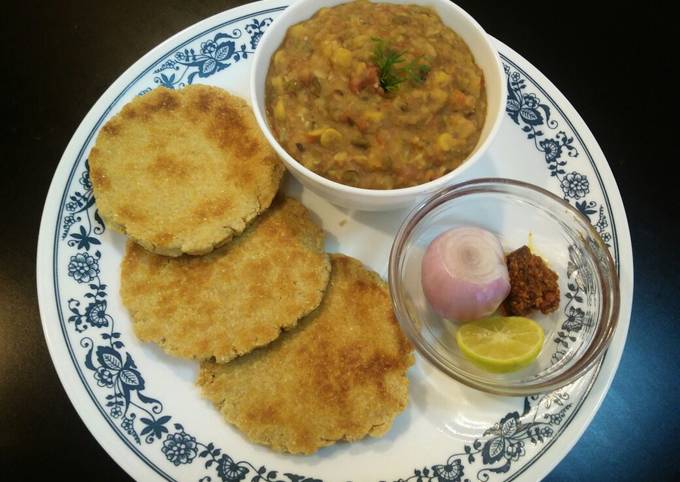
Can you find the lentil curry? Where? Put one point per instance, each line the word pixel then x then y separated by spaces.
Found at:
pixel 378 96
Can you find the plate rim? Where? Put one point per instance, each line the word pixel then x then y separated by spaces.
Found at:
pixel 98 426
pixel 77 393
pixel 608 366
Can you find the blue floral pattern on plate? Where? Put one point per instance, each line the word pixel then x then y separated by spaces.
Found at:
pixel 142 418
pixel 214 55
pixel 533 116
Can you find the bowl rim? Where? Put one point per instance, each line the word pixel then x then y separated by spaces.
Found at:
pixel 480 149
pixel 606 324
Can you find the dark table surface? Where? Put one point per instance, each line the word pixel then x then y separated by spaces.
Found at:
pixel 613 65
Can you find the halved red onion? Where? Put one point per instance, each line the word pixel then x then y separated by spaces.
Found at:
pixel 464 274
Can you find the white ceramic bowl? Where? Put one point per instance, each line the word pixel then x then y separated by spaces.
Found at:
pixel 381 199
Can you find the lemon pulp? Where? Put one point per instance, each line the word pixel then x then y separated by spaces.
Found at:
pixel 501 344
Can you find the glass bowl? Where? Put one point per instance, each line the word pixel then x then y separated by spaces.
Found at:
pixel 576 334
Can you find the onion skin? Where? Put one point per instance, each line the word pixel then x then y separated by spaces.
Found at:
pixel 464 275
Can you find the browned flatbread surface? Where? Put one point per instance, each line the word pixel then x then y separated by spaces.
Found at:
pixel 183 171
pixel 238 297
pixel 339 375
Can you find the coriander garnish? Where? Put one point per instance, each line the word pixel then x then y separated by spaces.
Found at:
pixel 390 75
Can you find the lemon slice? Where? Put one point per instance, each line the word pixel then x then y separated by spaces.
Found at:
pixel 501 344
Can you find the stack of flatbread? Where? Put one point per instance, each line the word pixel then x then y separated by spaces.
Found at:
pixel 298 349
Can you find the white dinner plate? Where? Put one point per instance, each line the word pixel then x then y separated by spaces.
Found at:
pixel 142 405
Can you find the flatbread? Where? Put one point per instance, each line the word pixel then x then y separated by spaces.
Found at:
pixel 234 299
pixel 339 375
pixel 183 171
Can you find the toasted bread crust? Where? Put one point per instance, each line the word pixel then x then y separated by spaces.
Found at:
pixel 183 171
pixel 339 375
pixel 234 299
